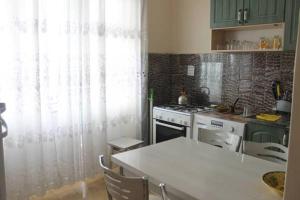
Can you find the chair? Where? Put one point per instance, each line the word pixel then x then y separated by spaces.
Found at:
pixel 123 188
pixel 267 151
pixel 164 195
pixel 223 140
pixel 122 144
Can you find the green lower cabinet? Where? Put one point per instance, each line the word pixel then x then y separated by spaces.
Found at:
pixel 291 24
pixel 264 133
pixel 264 11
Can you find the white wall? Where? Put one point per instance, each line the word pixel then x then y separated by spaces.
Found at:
pixel 159 26
pixel 191 28
pixel 293 175
pixel 179 26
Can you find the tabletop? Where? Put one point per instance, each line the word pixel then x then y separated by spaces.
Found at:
pixel 200 171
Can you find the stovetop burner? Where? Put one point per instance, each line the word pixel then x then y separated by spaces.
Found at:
pixel 185 108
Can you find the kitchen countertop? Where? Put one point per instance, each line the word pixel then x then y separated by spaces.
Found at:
pixel 225 116
pixel 198 171
pixel 283 122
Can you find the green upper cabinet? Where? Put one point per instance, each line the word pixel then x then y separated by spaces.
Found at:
pixel 230 13
pixel 263 11
pixel 224 13
pixel 291 24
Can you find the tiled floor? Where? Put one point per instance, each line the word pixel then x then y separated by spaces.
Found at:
pixel 96 191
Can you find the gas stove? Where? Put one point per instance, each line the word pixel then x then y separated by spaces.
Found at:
pixel 171 121
pixel 185 109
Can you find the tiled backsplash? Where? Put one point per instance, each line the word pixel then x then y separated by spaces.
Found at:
pixel 245 75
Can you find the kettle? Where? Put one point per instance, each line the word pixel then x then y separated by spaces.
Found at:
pixel 183 99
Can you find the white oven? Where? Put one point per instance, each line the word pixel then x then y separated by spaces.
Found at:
pixel 204 123
pixel 168 124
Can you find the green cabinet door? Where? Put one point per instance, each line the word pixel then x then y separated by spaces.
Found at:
pixel 291 24
pixel 263 11
pixel 264 133
pixel 224 13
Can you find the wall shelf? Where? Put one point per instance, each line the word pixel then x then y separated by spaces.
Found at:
pixel 249 34
pixel 241 51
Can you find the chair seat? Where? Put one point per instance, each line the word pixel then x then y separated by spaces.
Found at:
pixel 124 143
pixel 154 197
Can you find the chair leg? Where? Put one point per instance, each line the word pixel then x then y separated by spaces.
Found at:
pixel 109 196
pixel 84 190
pixel 121 171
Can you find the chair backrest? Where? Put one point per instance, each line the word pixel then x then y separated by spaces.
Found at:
pixel 224 140
pixel 268 151
pixel 123 188
pixel 164 194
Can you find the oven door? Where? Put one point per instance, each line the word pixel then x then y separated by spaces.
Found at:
pixel 166 131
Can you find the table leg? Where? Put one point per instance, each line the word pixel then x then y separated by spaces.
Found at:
pixel 121 171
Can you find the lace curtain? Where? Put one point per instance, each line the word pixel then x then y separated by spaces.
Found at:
pixel 71 76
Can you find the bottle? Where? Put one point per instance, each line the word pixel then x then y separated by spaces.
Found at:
pixel 263 43
pixel 276 42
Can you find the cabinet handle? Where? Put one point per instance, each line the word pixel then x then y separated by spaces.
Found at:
pixel 240 16
pixel 246 16
pixel 285 140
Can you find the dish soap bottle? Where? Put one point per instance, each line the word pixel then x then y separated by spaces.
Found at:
pixel 183 100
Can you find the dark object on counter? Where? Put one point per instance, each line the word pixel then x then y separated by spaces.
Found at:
pixel 277 90
pixel 232 108
pixel 287 96
pixel 222 108
pixel 274 89
pixel 204 96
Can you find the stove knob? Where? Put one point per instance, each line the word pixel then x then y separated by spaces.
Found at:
pixel 160 117
pixel 180 122
pixel 185 123
pixel 232 129
pixel 172 120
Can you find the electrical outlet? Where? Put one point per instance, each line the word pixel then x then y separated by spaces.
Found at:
pixel 191 70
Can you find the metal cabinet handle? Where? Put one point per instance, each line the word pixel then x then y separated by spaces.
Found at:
pixel 246 16
pixel 285 140
pixel 240 16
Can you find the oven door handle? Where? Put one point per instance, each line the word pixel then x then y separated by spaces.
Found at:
pixel 170 126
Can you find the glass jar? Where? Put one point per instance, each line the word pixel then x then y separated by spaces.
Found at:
pixel 263 43
pixel 276 42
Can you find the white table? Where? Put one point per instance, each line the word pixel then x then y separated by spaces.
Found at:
pixel 195 170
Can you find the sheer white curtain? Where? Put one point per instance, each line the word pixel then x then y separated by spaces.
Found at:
pixel 71 76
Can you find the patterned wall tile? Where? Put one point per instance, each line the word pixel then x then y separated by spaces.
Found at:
pixel 159 77
pixel 287 70
pixel 247 76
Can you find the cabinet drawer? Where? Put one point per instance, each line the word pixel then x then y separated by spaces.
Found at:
pixel 263 133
